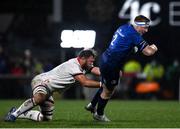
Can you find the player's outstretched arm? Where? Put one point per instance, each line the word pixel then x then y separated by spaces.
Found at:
pixel 84 81
pixel 150 50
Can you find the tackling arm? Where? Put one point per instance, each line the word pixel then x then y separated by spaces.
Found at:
pixel 84 81
pixel 149 50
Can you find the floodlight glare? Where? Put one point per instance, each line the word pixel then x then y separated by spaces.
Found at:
pixel 78 38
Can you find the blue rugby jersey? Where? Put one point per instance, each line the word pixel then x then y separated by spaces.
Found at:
pixel 124 40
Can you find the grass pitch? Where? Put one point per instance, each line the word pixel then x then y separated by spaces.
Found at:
pixel 124 114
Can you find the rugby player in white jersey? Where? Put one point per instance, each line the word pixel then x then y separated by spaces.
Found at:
pixel 59 79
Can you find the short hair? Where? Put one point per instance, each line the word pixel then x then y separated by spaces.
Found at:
pixel 141 18
pixel 87 53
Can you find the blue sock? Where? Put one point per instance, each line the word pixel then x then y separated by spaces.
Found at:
pixel 101 105
pixel 96 97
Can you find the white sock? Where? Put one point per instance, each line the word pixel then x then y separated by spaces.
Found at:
pixel 26 106
pixel 32 115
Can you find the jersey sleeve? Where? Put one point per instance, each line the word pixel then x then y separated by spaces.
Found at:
pixel 139 42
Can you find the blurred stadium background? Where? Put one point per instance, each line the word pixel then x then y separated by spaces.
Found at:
pixel 33 40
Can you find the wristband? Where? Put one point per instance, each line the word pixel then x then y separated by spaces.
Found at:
pixel 100 84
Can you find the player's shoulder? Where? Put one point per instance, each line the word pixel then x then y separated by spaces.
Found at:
pixel 124 26
pixel 72 60
pixel 73 63
pixel 70 66
pixel 126 29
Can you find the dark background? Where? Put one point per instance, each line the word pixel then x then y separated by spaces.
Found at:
pixel 30 19
pixel 29 24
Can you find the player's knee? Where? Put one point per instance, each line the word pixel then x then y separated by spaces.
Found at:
pixel 39 98
pixel 106 94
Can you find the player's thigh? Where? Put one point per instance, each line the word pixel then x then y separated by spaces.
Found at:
pixel 40 93
pixel 109 76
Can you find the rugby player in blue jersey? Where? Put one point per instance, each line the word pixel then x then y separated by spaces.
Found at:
pixel 126 38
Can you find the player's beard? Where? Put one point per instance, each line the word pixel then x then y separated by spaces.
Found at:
pixel 86 66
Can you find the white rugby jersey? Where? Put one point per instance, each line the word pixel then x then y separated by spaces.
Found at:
pixel 61 77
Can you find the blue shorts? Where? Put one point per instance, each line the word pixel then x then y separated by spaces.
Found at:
pixel 109 75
